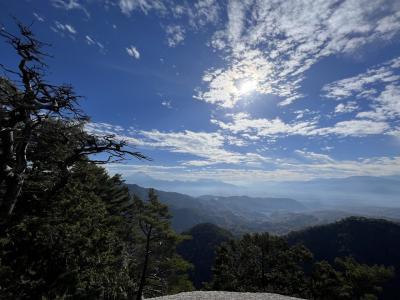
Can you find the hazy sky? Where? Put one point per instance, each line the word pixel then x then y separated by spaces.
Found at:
pixel 236 91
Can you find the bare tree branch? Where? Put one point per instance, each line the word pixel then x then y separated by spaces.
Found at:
pixel 27 103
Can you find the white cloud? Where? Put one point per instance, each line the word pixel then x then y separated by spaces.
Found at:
pixel 204 12
pixel 346 107
pixel 314 157
pixel 243 123
pixel 175 35
pixel 38 17
pixel 166 103
pixel 290 37
pixel 91 41
pixel 132 51
pixel 321 167
pixel 103 128
pixel 224 84
pixel 64 28
pixel 128 6
pixel 358 85
pixel 380 86
pixel 208 146
pixel 69 5
pixel 357 128
pixel 198 13
pixel 208 149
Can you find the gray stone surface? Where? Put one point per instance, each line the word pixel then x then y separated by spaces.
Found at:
pixel 224 296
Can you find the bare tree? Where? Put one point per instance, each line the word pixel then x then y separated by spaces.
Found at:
pixel 27 101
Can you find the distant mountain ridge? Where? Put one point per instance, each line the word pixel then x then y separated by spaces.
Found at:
pixel 256 204
pixel 228 212
pixel 371 190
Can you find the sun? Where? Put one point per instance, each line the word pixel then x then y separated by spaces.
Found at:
pixel 247 87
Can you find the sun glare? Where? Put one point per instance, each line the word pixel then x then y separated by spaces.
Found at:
pixel 247 86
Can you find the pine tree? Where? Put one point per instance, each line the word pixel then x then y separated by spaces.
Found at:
pixel 261 263
pixel 161 268
pixel 73 246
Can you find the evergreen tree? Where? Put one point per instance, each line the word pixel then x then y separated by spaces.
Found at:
pixel 261 263
pixel 72 247
pixel 325 282
pixel 265 263
pixel 200 250
pixel 350 280
pixel 162 269
pixel 363 282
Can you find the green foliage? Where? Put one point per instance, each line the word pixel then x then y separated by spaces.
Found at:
pixel 350 280
pixel 368 241
pixel 261 263
pixel 161 271
pixel 325 282
pixel 265 263
pixel 72 247
pixel 87 242
pixel 200 250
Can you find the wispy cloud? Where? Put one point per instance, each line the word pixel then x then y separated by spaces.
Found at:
pixel 38 17
pixel 91 41
pixel 321 166
pixel 246 126
pixel 128 6
pixel 175 35
pixel 207 145
pixel 69 5
pixel 346 107
pixel 133 52
pixel 64 29
pixel 289 37
pixel 206 148
pixel 356 128
pixel 379 86
pixel 261 127
pixel 364 85
pixel 224 84
pixel 166 103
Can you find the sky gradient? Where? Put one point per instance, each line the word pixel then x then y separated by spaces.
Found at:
pixel 233 91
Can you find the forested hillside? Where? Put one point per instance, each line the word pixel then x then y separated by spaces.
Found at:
pixel 369 241
pixel 355 258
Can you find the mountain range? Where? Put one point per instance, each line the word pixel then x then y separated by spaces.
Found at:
pixel 241 214
pixel 355 190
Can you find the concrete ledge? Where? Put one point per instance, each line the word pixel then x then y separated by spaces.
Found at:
pixel 220 295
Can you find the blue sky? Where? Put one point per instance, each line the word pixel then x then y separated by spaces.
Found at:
pixel 234 91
